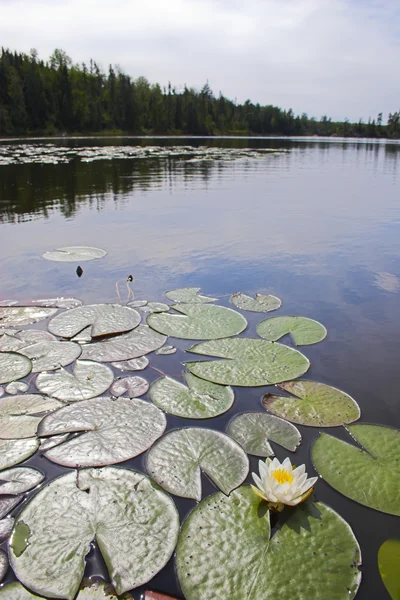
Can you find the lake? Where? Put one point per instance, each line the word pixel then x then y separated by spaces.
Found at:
pixel 315 222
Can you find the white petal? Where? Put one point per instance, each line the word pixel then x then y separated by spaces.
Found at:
pixel 308 484
pixel 257 481
pixel 287 464
pixel 275 464
pixel 263 468
pixel 299 471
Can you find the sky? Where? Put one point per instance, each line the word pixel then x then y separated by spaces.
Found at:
pixel 333 57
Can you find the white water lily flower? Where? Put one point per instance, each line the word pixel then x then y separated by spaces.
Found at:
pixel 281 484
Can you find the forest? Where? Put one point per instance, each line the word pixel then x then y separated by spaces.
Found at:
pixel 59 97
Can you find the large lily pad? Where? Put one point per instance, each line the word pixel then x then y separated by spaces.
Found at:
pixel 188 296
pixel 13 452
pixel 20 415
pixel 370 476
pixel 315 404
pixel 303 331
pixel 88 379
pixel 135 526
pixel 261 303
pixel 198 322
pixel 17 316
pixel 225 551
pixel 19 480
pixel 14 340
pixel 176 461
pixel 252 362
pixel 201 400
pixel 389 562
pixel 254 431
pixel 134 344
pixel 49 355
pixel 13 366
pixel 114 431
pixel 74 254
pixel 105 319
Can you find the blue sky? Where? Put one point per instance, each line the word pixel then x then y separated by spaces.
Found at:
pixel 335 57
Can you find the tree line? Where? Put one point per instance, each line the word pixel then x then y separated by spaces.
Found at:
pixel 56 96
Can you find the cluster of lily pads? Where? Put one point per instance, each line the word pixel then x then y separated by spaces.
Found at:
pixel 224 547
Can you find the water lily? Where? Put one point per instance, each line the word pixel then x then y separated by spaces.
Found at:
pixel 281 484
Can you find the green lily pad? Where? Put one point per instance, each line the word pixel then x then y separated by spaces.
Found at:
pixel 225 551
pixel 18 316
pixel 132 386
pixel 261 303
pixel 370 476
pixel 198 322
pixel 60 302
pixel 188 296
pixel 177 459
pixel 16 591
pixel 19 480
pixel 88 379
pixel 94 591
pixel 13 366
pixel 252 362
pixel 254 431
pixel 16 387
pixel 74 254
pixel 134 344
pixel 13 452
pixel 389 563
pixel 303 331
pixel 201 400
pixel 105 319
pixel 21 415
pixel 49 355
pixel 14 340
pixel 154 307
pixel 135 526
pixel 315 404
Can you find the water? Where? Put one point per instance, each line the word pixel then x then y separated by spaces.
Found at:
pixel 317 224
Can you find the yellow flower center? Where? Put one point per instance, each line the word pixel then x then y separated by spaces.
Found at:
pixel 282 476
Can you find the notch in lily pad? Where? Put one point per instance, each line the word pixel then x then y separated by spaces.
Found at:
pixel 302 330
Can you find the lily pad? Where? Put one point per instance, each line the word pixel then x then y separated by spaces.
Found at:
pixel 49 355
pixel 370 476
pixel 16 387
pixel 188 296
pixel 60 302
pixel 6 527
pixel 137 303
pixel 154 307
pixel 13 366
pixel 16 591
pixel 165 350
pixel 113 431
pixel 252 362
pixel 176 461
pixel 389 561
pixel 14 340
pixel 88 379
pixel 17 316
pixel 84 336
pixel 13 452
pixel 74 254
pixel 135 364
pixel 132 386
pixel 134 344
pixel 315 404
pixel 303 331
pixel 238 527
pixel 97 590
pixel 135 526
pixel 254 431
pixel 7 503
pixel 105 319
pixel 261 303
pixel 20 416
pixel 198 322
pixel 201 400
pixel 19 480
pixel 53 440
pixel 3 564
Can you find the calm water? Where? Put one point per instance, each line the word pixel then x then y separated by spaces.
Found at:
pixel 317 225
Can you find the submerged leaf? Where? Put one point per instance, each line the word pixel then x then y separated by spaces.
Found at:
pixel 165 350
pixel 389 562
pixel 49 355
pixel 262 302
pixel 188 295
pixel 88 379
pixel 13 366
pixel 133 386
pixel 13 452
pixel 176 461
pixel 135 526
pixel 74 254
pixel 316 404
pixel 16 387
pixel 19 480
pixel 137 303
pixel 370 477
pixel 16 316
pixel 20 416
pixel 134 364
pixel 302 330
pixel 104 319
pixel 252 362
pixel 254 431
pixel 134 344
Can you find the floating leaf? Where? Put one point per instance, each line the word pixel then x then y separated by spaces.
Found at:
pixel 114 431
pixel 16 591
pixel 198 322
pixel 135 364
pixel 6 526
pixel 252 362
pixel 7 503
pixel 137 303
pixel 135 526
pixel 74 254
pixel 48 355
pixel 16 387
pixel 13 366
pixel 316 404
pixel 84 336
pixel 262 302
pixel 3 564
pixel 166 350
pixel 389 562
pixel 176 461
pixel 13 452
pixel 133 386
pixel 60 302
pixel 88 379
pixel 16 316
pixel 154 307
pixel 201 400
pixel 188 296
pixel 20 416
pixel 53 440
pixel 104 319
pixel 303 331
pixel 19 480
pixel 97 591
pixel 224 551
pixel 14 340
pixel 134 344
pixel 370 477
pixel 1 391
pixel 254 431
